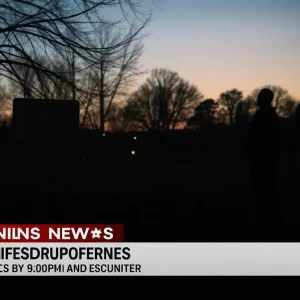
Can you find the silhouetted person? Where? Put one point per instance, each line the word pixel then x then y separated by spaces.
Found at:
pixel 263 149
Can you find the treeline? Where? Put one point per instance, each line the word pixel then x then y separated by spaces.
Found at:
pixel 164 102
pixel 71 50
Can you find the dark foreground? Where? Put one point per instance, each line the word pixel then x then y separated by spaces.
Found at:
pixel 183 186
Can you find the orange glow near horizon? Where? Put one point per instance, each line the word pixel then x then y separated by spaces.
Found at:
pixel 219 45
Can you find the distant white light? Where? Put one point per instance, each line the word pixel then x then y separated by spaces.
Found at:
pixel 103 134
pixel 134 138
pixel 132 152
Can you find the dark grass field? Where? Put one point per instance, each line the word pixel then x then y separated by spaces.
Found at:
pixel 180 186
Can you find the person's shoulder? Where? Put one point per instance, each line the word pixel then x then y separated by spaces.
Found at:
pixel 257 113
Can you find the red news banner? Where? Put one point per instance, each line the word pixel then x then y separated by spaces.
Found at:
pixel 54 233
pixel 64 249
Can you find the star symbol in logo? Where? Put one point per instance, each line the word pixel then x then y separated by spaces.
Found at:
pixel 96 233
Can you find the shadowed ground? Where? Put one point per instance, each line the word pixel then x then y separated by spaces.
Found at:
pixel 178 187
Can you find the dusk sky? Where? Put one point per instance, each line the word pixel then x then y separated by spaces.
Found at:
pixel 224 44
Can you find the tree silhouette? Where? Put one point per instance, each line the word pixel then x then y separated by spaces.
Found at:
pixel 111 76
pixel 283 102
pixel 31 84
pixel 205 114
pixel 163 101
pixel 4 99
pixel 29 29
pixel 228 102
pixel 117 119
pixel 244 112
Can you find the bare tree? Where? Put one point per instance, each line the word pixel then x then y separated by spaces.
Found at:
pixel 228 102
pixel 4 96
pixel 163 101
pixel 29 28
pixel 32 84
pixel 244 111
pixel 117 119
pixel 283 102
pixel 26 79
pixel 111 78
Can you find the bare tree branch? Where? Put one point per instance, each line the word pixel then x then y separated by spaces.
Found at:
pixel 33 29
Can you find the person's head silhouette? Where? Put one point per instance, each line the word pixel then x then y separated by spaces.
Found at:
pixel 265 98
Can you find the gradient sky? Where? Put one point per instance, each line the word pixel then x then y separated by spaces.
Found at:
pixel 224 44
